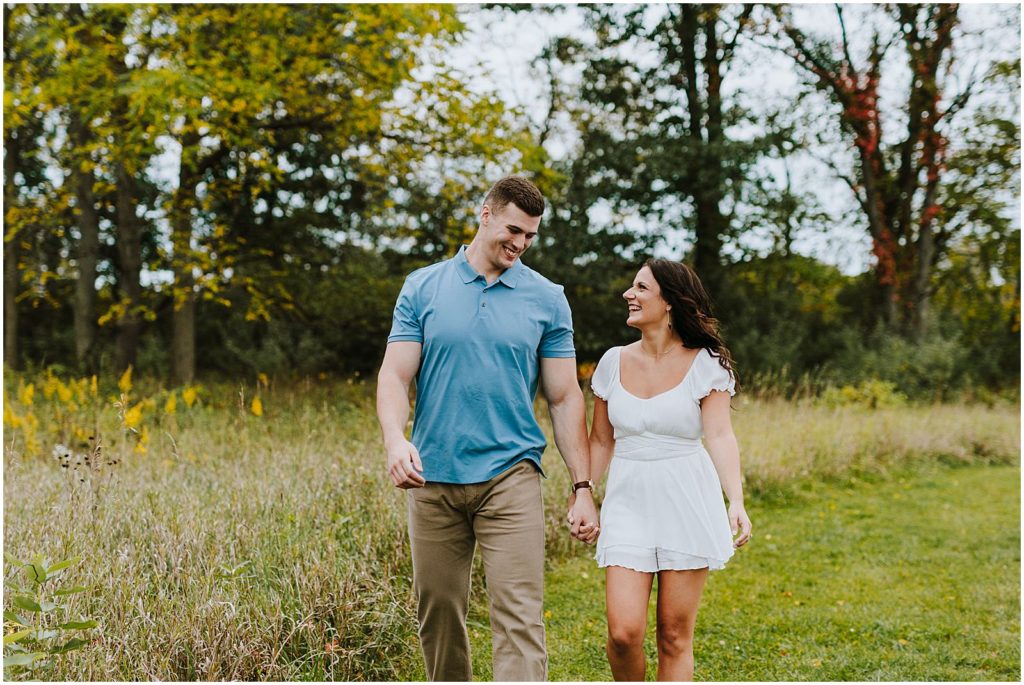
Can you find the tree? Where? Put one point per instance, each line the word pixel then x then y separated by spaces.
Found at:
pixel 899 184
pixel 12 162
pixel 268 131
pixel 656 121
pixel 32 255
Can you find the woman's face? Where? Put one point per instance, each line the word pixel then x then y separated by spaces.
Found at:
pixel 645 303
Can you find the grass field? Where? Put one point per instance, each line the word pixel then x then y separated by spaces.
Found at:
pixel 253 540
pixel 911 578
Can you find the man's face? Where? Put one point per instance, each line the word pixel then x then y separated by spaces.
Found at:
pixel 507 234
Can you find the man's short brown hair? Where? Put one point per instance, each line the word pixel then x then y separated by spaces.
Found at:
pixel 517 190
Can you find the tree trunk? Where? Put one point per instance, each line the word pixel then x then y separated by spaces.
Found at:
pixel 11 238
pixel 183 341
pixel 711 180
pixel 87 253
pixel 12 246
pixel 920 294
pixel 705 129
pixel 129 269
pixel 922 283
pixel 183 344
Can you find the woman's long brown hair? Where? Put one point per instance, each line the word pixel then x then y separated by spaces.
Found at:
pixel 692 316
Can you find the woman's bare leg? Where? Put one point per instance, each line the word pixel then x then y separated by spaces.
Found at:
pixel 627 593
pixel 678 598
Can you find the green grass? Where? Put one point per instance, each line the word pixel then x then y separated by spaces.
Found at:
pixel 298 500
pixel 916 577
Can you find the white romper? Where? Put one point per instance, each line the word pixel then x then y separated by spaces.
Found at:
pixel 663 507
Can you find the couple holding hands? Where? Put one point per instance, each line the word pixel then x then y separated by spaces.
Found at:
pixel 477 332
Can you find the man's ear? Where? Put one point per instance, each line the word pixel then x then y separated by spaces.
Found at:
pixel 485 215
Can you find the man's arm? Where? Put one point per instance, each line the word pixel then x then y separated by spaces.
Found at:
pixel 569 420
pixel 401 362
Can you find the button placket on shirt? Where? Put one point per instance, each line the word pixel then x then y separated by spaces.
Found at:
pixel 483 299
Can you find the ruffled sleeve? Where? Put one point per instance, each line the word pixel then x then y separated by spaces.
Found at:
pixel 604 374
pixel 712 377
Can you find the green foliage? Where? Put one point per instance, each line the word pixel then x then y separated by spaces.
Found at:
pixel 36 626
pixel 782 314
pixel 934 369
pixel 325 151
pixel 871 394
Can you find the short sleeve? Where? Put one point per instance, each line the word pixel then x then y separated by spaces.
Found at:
pixel 556 340
pixel 604 374
pixel 405 322
pixel 714 377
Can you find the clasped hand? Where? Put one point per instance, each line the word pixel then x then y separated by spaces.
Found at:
pixel 582 518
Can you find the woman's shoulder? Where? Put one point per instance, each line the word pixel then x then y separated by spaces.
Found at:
pixel 613 352
pixel 711 358
pixel 711 375
pixel 605 373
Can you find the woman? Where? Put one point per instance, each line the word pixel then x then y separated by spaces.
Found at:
pixel 663 511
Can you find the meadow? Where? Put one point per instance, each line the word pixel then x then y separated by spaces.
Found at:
pixel 248 532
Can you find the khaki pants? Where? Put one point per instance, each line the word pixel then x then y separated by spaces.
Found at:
pixel 505 516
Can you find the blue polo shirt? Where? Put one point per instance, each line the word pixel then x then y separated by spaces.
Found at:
pixel 479 364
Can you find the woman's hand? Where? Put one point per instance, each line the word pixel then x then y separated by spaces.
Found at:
pixel 586 531
pixel 739 522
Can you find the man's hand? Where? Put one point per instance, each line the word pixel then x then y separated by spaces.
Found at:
pixel 583 518
pixel 403 464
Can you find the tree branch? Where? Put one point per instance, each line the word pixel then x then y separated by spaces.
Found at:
pixel 741 21
pixel 846 42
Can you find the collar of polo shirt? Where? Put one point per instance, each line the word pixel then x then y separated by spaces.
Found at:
pixel 509 277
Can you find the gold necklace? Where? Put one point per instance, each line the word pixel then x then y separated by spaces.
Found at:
pixel 657 355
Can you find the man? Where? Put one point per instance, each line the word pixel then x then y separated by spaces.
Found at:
pixel 476 331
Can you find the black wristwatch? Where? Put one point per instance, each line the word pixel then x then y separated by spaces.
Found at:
pixel 588 484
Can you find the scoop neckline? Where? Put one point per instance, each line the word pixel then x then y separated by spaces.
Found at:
pixel 686 376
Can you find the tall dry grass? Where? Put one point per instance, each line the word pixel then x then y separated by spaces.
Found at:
pixel 782 442
pixel 251 542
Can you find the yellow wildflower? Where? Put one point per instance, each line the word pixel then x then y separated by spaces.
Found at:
pixel 79 388
pixel 257 406
pixel 125 383
pixel 171 405
pixel 50 387
pixel 133 416
pixel 63 393
pixel 10 418
pixel 94 386
pixel 140 446
pixel 585 371
pixel 32 444
pixel 263 379
pixel 189 395
pixel 25 394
